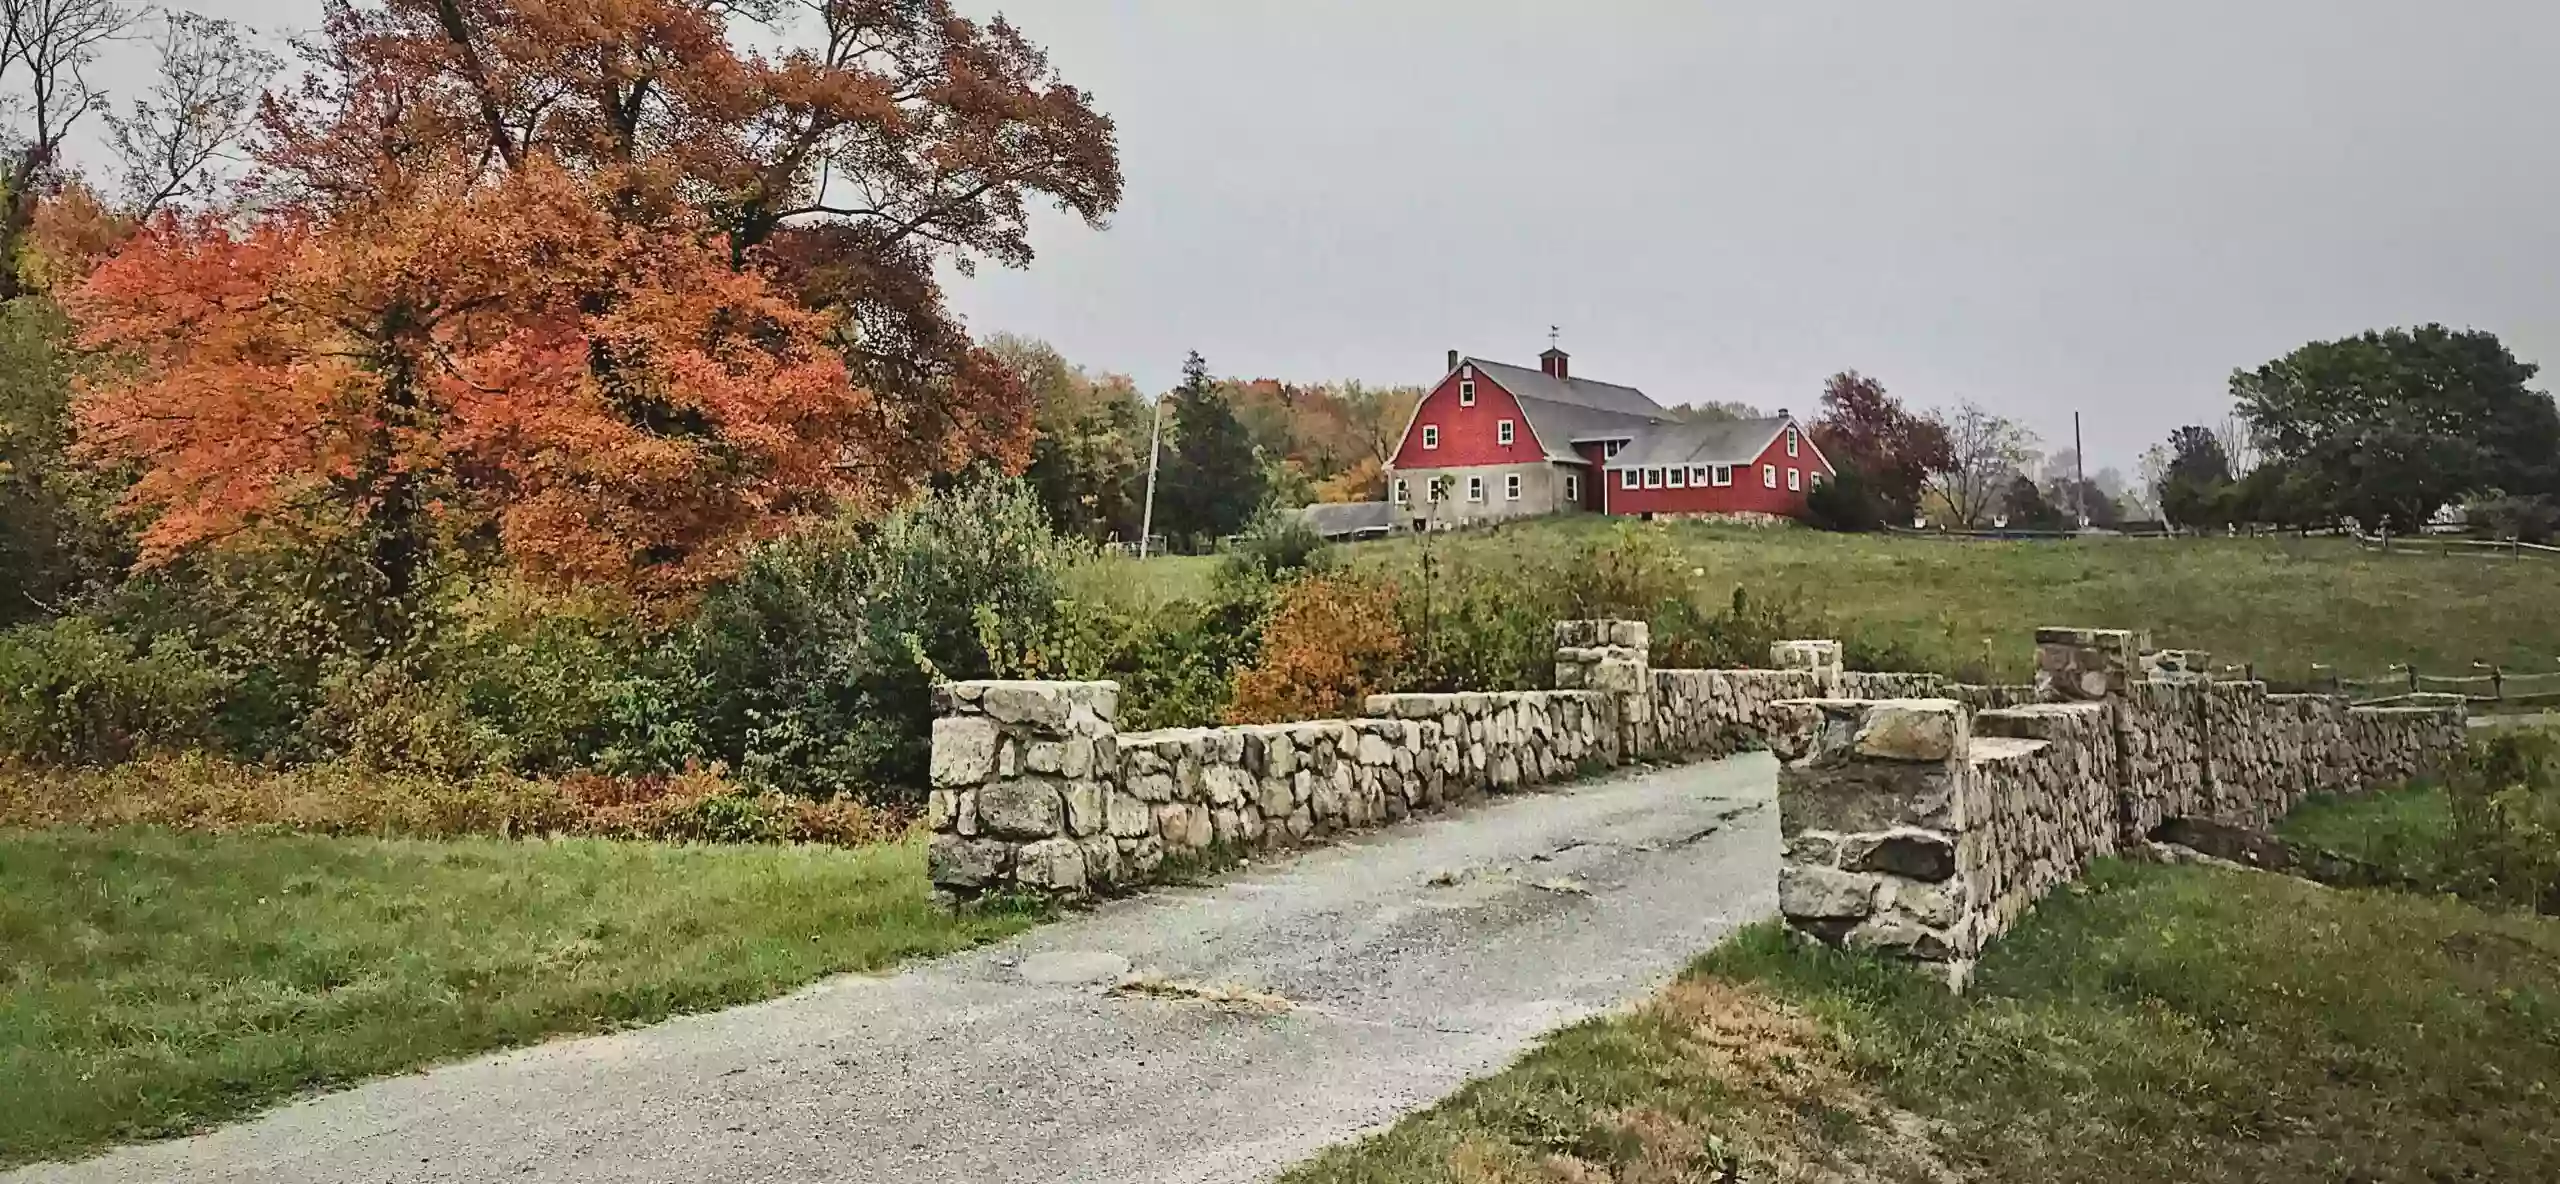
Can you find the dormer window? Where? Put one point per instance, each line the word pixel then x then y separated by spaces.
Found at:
pixel 1466 392
pixel 1613 447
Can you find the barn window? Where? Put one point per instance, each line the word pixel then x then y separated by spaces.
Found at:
pixel 1679 477
pixel 1653 478
pixel 1475 489
pixel 1573 488
pixel 1511 488
pixel 1724 475
pixel 1431 435
pixel 1504 434
pixel 1630 479
pixel 1795 480
pixel 1791 441
pixel 1466 392
pixel 1403 495
pixel 1769 476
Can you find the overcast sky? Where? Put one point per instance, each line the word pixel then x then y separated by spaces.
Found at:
pixel 2041 206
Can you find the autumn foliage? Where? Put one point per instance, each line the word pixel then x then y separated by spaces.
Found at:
pixel 585 288
pixel 1332 642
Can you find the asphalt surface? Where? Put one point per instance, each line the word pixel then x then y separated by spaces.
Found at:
pixel 1409 960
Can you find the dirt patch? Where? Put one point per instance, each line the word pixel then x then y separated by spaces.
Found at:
pixel 1224 996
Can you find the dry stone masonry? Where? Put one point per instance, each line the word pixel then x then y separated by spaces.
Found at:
pixel 1925 827
pixel 1922 817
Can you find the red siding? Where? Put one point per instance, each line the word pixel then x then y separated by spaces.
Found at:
pixel 1468 435
pixel 1594 454
pixel 1746 495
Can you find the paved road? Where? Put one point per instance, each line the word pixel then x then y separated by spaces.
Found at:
pixel 1413 959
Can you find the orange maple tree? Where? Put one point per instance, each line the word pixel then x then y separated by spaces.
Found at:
pixel 583 285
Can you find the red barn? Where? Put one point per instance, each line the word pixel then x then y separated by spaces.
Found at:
pixel 1493 441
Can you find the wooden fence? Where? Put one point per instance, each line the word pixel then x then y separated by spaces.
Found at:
pixel 2491 684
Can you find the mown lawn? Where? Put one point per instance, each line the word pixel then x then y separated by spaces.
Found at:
pixel 156 981
pixel 2153 1024
pixel 2280 603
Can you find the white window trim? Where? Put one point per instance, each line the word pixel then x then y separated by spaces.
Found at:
pixel 1630 479
pixel 1430 437
pixel 1653 478
pixel 1791 442
pixel 1769 476
pixel 1475 489
pixel 1699 476
pixel 1403 496
pixel 1610 449
pixel 1573 488
pixel 1511 488
pixel 1466 392
pixel 1677 477
pixel 1505 433
pixel 1723 476
pixel 1795 480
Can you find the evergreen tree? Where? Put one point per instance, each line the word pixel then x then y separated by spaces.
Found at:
pixel 1212 479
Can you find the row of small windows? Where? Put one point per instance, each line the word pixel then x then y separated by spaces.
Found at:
pixel 1702 476
pixel 1475 490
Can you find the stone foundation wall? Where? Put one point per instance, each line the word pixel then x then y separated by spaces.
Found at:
pixel 1901 839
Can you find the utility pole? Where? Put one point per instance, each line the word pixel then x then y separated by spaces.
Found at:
pixel 2079 474
pixel 1147 520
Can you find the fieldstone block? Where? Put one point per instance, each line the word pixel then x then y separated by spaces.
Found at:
pixel 964 750
pixel 1914 854
pixel 1020 809
pixel 955 862
pixel 1127 817
pixel 1911 730
pixel 1051 865
pixel 1039 705
pixel 1821 893
pixel 1084 808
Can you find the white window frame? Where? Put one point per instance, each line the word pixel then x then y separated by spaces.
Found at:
pixel 1653 478
pixel 1769 476
pixel 1791 441
pixel 1475 489
pixel 1431 437
pixel 1723 476
pixel 1403 495
pixel 1630 479
pixel 1611 448
pixel 1431 491
pixel 1505 433
pixel 1677 477
pixel 1698 476
pixel 1466 392
pixel 1511 488
pixel 1573 488
pixel 1795 480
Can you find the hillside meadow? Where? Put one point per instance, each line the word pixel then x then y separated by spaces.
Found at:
pixel 1969 606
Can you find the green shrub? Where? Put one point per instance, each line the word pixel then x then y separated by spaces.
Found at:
pixel 2506 820
pixel 1278 545
pixel 1846 504
pixel 813 668
pixel 74 690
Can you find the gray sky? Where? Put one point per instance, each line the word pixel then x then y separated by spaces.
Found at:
pixel 2042 206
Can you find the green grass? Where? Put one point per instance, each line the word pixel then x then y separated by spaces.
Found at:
pixel 158 981
pixel 2280 603
pixel 2151 1024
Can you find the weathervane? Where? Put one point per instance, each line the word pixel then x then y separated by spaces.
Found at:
pixel 1553 331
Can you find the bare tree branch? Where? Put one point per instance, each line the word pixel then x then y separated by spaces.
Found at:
pixel 49 45
pixel 202 106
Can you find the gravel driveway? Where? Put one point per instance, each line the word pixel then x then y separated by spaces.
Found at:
pixel 1296 1004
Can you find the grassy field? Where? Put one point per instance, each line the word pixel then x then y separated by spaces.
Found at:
pixel 2149 1024
pixel 159 981
pixel 2281 603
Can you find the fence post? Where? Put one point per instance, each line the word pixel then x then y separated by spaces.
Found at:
pixel 2413 678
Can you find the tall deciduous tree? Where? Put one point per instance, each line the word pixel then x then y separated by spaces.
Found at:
pixel 588 287
pixel 1864 428
pixel 2398 423
pixel 1984 453
pixel 2196 489
pixel 1089 464
pixel 1213 479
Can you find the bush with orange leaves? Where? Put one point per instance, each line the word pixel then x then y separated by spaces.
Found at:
pixel 1332 642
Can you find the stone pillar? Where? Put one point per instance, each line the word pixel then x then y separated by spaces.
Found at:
pixel 1872 805
pixel 1820 657
pixel 1021 776
pixel 1615 657
pixel 2083 665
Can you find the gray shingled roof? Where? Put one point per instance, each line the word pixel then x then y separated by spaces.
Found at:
pixel 1573 392
pixel 1335 520
pixel 1561 411
pixel 1729 442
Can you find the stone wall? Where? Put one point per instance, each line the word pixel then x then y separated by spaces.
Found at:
pixel 1925 827
pixel 1705 714
pixel 1022 773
